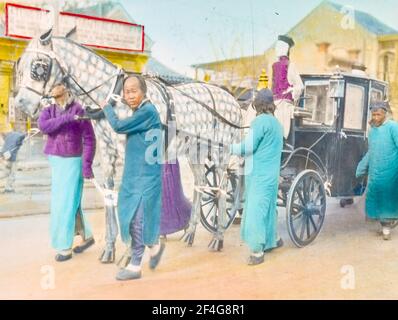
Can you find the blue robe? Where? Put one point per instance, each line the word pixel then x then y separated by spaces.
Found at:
pixel 66 195
pixel 381 165
pixel 142 175
pixel 12 143
pixel 262 149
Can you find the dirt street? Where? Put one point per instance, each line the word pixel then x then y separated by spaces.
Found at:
pixel 347 247
pixel 347 261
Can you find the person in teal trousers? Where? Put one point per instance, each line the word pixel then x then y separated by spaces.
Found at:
pixel 381 165
pixel 262 149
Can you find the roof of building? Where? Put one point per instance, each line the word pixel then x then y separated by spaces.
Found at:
pixel 249 60
pixel 99 9
pixel 367 21
pixel 157 68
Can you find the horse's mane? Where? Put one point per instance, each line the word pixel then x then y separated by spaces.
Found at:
pixel 96 68
pixel 83 48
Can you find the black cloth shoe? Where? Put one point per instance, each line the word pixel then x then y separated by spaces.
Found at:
pixel 253 260
pixel 61 258
pixel 154 261
pixel 124 275
pixel 83 247
pixel 279 244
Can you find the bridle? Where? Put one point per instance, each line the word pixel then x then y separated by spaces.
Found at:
pixel 46 75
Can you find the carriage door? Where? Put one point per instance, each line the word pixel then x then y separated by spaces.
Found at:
pixel 352 140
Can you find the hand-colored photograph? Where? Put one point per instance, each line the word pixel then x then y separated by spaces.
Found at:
pixel 198 150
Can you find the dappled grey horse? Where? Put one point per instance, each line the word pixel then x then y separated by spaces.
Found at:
pixel 199 120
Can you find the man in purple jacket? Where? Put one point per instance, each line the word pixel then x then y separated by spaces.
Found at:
pixel 287 85
pixel 70 148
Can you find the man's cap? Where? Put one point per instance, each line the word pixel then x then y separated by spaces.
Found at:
pixel 286 39
pixel 380 105
pixel 359 66
pixel 264 96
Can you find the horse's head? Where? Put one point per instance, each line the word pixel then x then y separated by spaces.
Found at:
pixel 37 71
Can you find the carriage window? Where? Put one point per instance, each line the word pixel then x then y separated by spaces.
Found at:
pixel 376 96
pixel 319 103
pixel 354 102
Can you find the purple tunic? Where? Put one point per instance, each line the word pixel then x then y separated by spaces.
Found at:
pixel 68 137
pixel 280 82
pixel 176 208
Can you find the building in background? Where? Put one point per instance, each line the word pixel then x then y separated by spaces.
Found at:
pixel 329 36
pixel 16 27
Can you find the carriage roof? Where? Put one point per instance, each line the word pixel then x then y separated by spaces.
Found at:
pixel 343 74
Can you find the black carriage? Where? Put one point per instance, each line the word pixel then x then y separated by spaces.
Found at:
pixel 327 140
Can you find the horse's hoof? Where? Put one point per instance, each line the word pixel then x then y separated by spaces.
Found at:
pixel 124 261
pixel 216 245
pixel 108 256
pixel 188 238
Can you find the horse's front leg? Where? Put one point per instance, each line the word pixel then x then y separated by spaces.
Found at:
pixel 189 235
pixel 217 242
pixel 108 166
pixel 111 230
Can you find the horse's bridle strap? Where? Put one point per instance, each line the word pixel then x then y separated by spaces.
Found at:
pixel 64 69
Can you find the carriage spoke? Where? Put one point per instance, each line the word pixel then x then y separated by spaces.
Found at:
pixel 211 209
pixel 297 216
pixel 207 180
pixel 302 228
pixel 300 196
pixel 215 183
pixel 206 203
pixel 308 227
pixel 306 189
pixel 211 195
pixel 313 223
pixel 228 211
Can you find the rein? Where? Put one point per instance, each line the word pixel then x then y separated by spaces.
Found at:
pixel 64 69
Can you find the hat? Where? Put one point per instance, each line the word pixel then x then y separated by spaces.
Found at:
pixel 380 105
pixel 359 66
pixel 286 39
pixel 264 96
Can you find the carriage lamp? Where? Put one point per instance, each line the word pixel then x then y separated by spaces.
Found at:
pixel 336 86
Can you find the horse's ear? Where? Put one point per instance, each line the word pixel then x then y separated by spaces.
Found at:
pixel 71 33
pixel 45 38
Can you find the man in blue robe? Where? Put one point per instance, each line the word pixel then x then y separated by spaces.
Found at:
pixel 262 149
pixel 381 165
pixel 8 157
pixel 139 201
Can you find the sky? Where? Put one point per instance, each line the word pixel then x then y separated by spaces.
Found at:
pixel 188 32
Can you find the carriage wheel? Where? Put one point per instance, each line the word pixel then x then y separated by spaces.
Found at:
pixel 209 211
pixel 305 208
